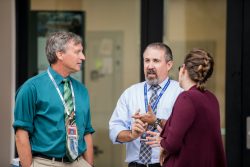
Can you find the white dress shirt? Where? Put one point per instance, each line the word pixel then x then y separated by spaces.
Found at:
pixel 129 102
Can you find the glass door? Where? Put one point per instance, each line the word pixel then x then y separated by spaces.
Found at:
pixel 199 24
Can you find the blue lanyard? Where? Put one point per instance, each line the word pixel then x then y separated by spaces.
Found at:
pixel 158 98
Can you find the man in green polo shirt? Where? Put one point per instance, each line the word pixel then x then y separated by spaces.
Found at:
pixel 52 117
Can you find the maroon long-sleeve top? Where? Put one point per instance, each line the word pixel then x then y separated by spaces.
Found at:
pixel 192 134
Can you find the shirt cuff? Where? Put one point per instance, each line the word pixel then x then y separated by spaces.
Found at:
pixel 89 131
pixel 114 134
pixel 23 125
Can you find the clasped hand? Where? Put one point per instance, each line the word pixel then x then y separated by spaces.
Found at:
pixel 142 121
pixel 148 117
pixel 138 128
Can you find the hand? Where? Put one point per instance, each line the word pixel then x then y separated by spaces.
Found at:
pixel 163 156
pixel 138 128
pixel 149 117
pixel 137 114
pixel 154 138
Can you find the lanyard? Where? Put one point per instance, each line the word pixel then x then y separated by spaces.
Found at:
pixel 158 98
pixel 60 94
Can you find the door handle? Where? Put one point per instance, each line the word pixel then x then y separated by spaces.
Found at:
pixel 248 132
pixel 97 150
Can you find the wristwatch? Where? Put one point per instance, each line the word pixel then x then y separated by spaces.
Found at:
pixel 157 122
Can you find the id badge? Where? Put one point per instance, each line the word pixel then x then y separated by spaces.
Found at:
pixel 72 141
pixel 72 131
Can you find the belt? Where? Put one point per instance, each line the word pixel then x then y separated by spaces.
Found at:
pixel 135 164
pixel 63 159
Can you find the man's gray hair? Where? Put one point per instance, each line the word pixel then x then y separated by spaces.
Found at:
pixel 58 42
pixel 164 47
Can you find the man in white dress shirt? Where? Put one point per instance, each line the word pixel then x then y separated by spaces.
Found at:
pixel 151 101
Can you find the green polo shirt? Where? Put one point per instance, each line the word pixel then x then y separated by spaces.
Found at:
pixel 40 111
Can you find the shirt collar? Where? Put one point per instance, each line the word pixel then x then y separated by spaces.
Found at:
pixel 57 77
pixel 162 84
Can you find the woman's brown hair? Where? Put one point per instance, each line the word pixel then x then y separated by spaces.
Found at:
pixel 199 65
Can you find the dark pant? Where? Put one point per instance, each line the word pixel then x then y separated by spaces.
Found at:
pixel 135 164
pixel 63 159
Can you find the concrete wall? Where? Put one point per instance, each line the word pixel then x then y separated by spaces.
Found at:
pixel 7 75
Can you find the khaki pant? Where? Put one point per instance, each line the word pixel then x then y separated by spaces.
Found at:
pixel 42 162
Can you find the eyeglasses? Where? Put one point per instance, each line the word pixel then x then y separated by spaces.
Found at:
pixel 179 68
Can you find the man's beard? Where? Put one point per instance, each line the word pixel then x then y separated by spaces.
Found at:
pixel 152 81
